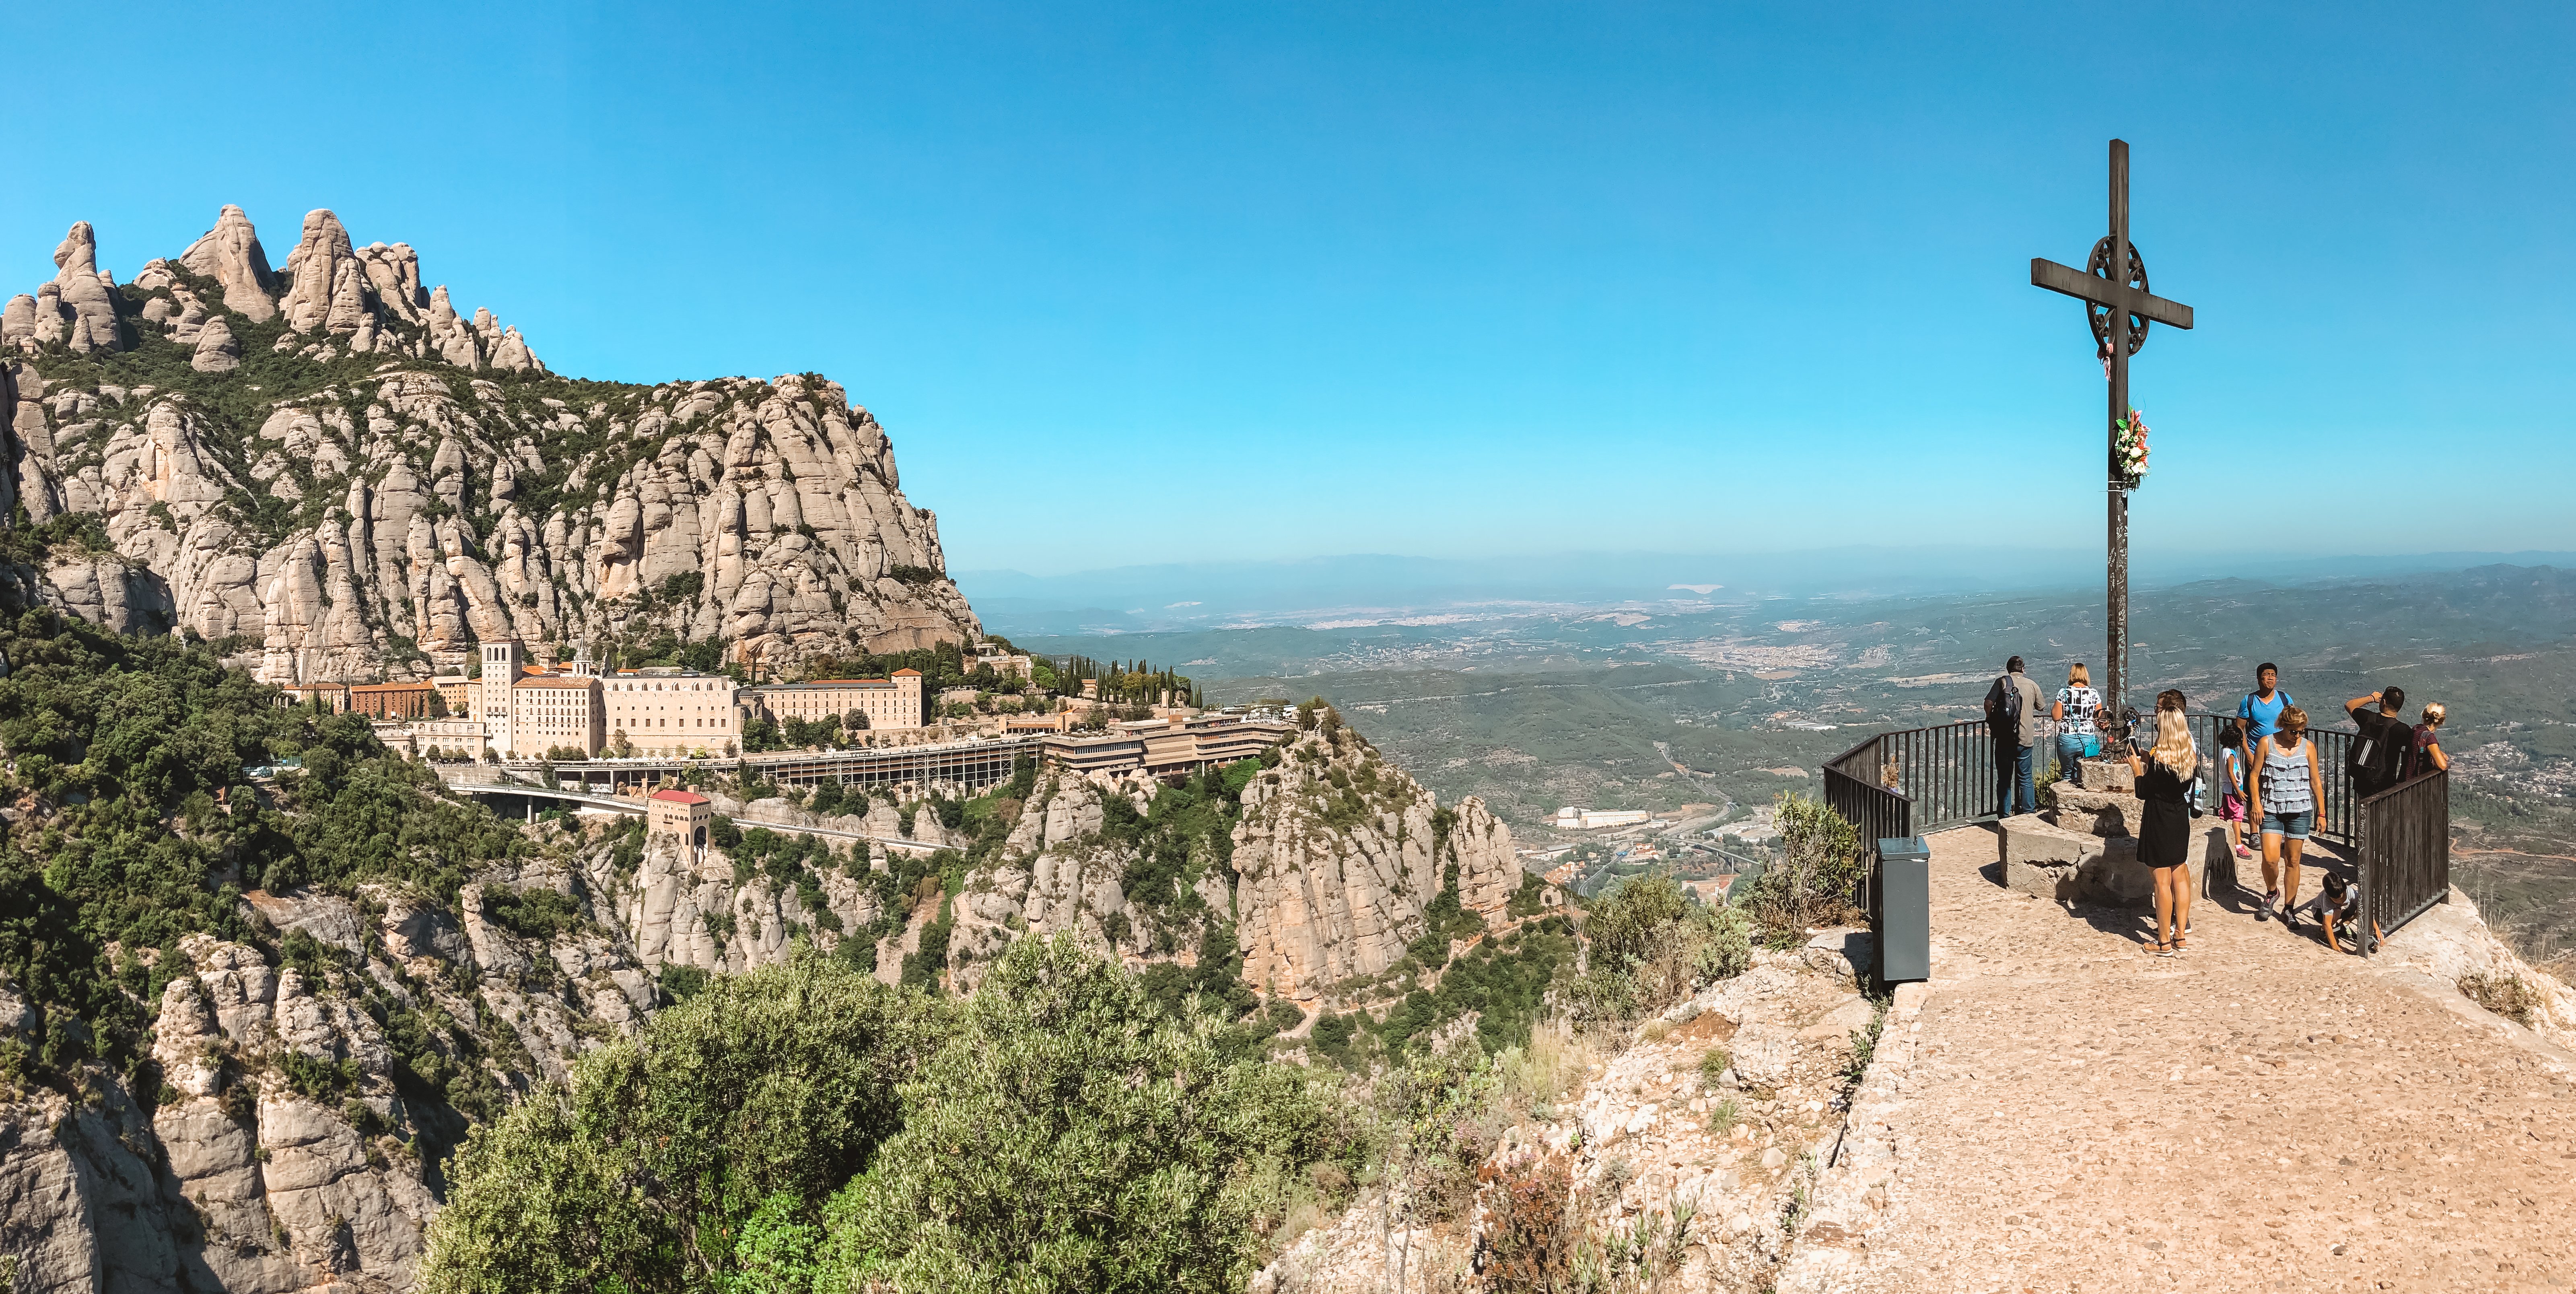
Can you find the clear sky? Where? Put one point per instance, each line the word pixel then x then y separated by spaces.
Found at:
pixel 1135 283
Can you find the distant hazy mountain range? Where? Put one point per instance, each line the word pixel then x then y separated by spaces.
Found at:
pixel 1379 588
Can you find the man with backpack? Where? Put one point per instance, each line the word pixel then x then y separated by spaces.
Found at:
pixel 2260 713
pixel 2012 719
pixel 2379 749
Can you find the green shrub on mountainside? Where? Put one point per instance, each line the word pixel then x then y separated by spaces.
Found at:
pixel 804 1127
pixel 1819 877
pixel 1032 1157
pixel 133 753
pixel 1652 945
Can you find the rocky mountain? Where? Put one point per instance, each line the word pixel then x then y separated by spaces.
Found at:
pixel 1341 855
pixel 337 473
pixel 315 1074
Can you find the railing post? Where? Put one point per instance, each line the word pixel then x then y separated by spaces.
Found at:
pixel 2363 876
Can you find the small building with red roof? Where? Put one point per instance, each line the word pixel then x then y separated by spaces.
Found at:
pixel 685 815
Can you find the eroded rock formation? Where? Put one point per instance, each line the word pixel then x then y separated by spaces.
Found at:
pixel 1340 852
pixel 412 482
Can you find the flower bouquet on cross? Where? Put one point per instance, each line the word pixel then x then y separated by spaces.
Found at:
pixel 2131 447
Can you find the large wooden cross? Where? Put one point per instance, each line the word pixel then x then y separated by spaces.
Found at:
pixel 2113 287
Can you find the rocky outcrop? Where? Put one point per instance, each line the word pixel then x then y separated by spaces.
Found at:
pixel 231 255
pixel 1326 874
pixel 216 351
pixel 426 505
pixel 694 913
pixel 87 302
pixel 1643 1142
pixel 1340 853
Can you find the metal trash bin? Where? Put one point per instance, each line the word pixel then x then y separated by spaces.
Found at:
pixel 1902 923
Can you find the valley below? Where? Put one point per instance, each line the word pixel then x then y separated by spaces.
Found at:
pixel 1724 701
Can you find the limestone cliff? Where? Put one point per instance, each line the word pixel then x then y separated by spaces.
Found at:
pixel 334 468
pixel 306 1100
pixel 1340 853
pixel 1324 873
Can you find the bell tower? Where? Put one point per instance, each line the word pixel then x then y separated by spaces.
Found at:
pixel 500 673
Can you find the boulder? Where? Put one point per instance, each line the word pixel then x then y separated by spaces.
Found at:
pixel 325 917
pixel 1761 1053
pixel 2100 813
pixel 218 351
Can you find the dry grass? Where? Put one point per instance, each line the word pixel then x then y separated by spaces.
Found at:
pixel 2506 995
pixel 1553 1064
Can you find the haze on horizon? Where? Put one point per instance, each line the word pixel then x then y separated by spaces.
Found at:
pixel 1187 284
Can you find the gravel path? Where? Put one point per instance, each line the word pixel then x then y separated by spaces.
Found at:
pixel 2258 1114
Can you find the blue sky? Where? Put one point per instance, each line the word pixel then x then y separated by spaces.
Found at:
pixel 1138 283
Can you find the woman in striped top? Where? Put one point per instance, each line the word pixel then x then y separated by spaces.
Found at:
pixel 2288 787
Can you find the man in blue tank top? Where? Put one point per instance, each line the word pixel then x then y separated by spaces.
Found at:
pixel 2259 714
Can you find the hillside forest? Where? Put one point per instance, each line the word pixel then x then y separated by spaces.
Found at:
pixel 1033 1114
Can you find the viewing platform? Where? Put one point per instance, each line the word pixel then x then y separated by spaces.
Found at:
pixel 1920 781
pixel 2053 1105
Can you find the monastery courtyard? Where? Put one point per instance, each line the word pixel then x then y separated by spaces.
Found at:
pixel 2066 1112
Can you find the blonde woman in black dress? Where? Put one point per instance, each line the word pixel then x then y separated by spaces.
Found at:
pixel 2163 774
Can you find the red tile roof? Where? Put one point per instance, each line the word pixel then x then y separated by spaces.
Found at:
pixel 679 797
pixel 907 673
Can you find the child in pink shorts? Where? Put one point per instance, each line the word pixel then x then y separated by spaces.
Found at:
pixel 2231 806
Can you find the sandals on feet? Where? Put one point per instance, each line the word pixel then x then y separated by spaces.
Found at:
pixel 2164 950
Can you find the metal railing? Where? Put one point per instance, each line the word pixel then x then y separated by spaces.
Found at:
pixel 2405 854
pixel 1914 782
pixel 2339 817
pixel 1922 780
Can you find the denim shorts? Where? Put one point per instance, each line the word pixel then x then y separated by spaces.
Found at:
pixel 2293 825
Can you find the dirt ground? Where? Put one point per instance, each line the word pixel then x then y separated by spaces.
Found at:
pixel 2258 1114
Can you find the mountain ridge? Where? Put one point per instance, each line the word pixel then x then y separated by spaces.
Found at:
pixel 333 468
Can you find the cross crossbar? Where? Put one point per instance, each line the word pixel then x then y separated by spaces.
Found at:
pixel 2103 292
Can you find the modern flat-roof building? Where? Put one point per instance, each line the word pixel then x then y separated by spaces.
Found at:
pixel 1571 818
pixel 458 692
pixel 555 712
pixel 1179 744
pixel 884 702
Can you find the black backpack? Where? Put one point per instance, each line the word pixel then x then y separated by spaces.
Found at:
pixel 2003 709
pixel 2379 750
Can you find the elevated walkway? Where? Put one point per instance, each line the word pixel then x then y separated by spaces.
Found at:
pixel 489 787
pixel 974 764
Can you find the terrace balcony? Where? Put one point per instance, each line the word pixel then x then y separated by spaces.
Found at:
pixel 1919 781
